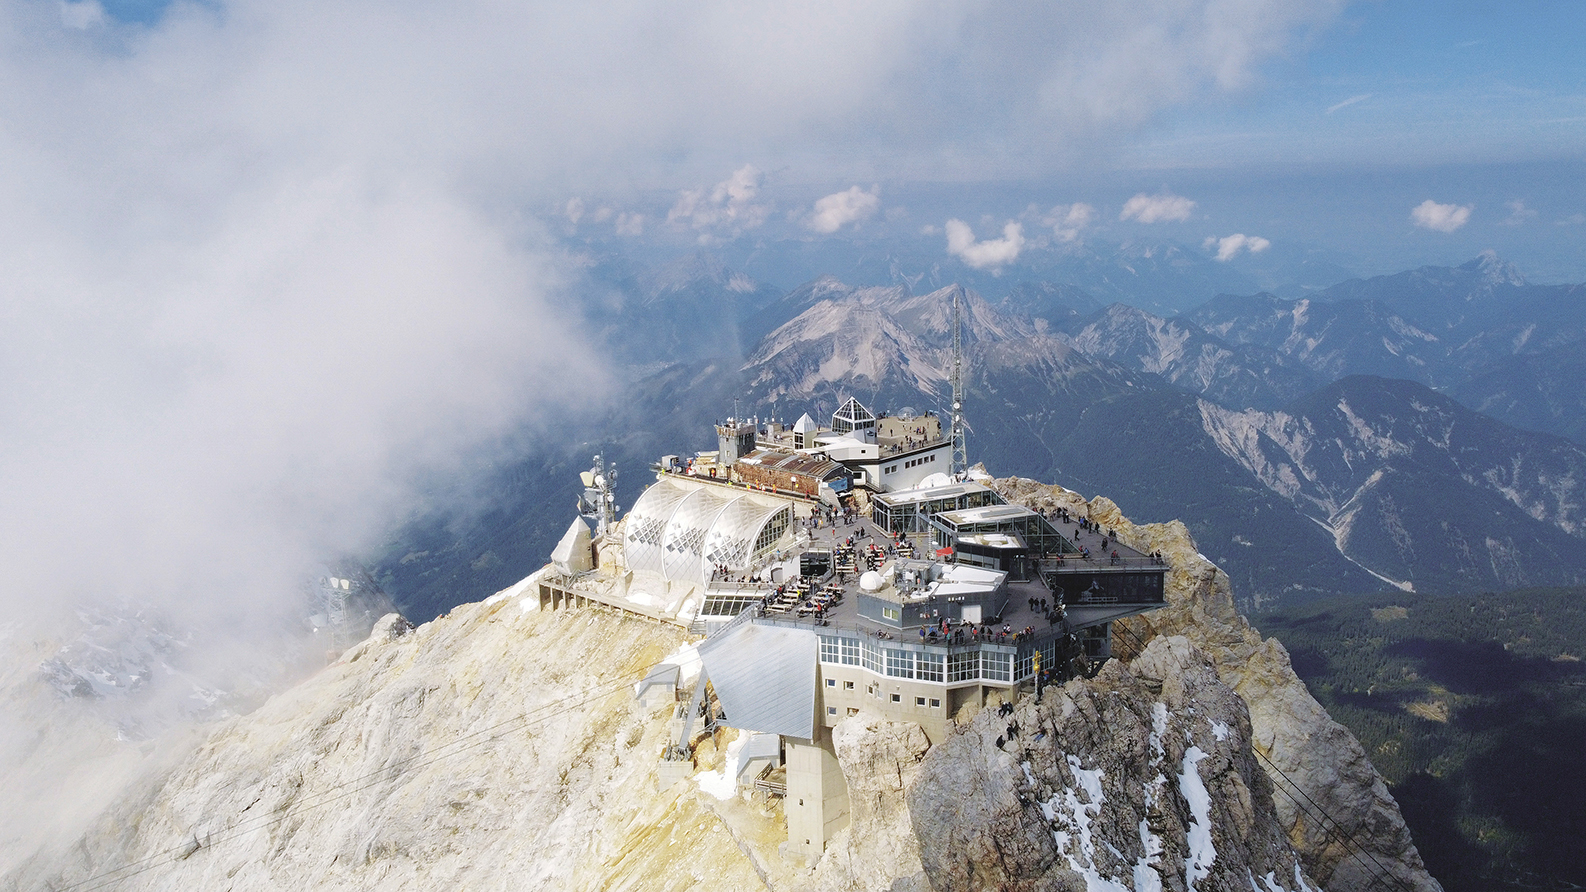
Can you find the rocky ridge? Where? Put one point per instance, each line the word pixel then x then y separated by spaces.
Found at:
pixel 500 747
pixel 1348 830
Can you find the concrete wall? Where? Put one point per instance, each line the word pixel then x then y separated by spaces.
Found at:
pixel 817 796
pixel 845 690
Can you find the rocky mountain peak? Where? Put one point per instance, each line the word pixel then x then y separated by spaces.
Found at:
pixel 1494 270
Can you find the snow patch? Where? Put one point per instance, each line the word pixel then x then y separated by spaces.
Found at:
pixel 1198 865
pixel 723 784
pixel 1146 879
pixel 686 659
pixel 1220 731
pixel 1272 884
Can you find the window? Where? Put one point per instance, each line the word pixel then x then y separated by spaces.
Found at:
pixel 772 531
pixel 890 613
pixel 831 710
pixel 919 701
pixel 928 667
pixel 872 657
pixel 963 665
pixel 853 710
pixel 900 663
pixel 829 648
pixel 848 685
pixel 897 698
pixel 850 652
pixel 831 682
pixel 935 703
pixel 996 666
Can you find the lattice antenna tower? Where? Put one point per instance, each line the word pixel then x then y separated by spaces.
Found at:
pixel 599 502
pixel 960 455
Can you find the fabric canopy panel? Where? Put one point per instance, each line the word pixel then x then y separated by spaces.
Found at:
pixel 681 533
pixel 645 527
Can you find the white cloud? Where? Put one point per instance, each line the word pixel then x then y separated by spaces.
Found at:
pixel 1440 217
pixel 1229 246
pixel 1518 213
pixel 574 209
pixel 841 208
pixel 1159 208
pixel 1069 220
pixel 630 224
pixel 987 254
pixel 728 208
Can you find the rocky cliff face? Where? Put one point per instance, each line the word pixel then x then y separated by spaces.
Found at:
pixel 500 747
pixel 1142 778
pixel 1335 808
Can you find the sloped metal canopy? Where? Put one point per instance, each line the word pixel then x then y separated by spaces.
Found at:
pixel 765 678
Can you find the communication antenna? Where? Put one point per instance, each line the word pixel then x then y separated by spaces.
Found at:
pixel 960 456
pixel 599 501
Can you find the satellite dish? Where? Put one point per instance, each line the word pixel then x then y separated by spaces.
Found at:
pixel 871 581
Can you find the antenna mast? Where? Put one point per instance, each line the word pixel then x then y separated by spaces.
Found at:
pixel 599 502
pixel 960 456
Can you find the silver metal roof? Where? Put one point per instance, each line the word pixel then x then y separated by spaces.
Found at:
pixel 765 677
pixel 931 494
pixel 986 514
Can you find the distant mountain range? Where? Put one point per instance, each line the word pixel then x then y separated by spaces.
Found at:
pixel 1416 430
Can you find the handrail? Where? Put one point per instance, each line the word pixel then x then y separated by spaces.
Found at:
pixel 1073 562
pixel 892 640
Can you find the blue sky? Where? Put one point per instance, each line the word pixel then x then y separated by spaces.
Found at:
pixel 1406 82
pixel 1328 141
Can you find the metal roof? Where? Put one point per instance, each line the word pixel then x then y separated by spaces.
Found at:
pixel 817 466
pixel 931 494
pixel 986 514
pixel 765 677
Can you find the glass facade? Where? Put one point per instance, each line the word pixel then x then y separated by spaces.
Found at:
pixel 900 663
pixel 1038 534
pixel 996 666
pixel 963 665
pixel 909 511
pixel 852 416
pixel 727 605
pixel 935 664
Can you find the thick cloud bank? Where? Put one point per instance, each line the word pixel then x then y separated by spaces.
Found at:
pixel 265 261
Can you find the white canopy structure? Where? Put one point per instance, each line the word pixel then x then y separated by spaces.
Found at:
pixel 681 533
